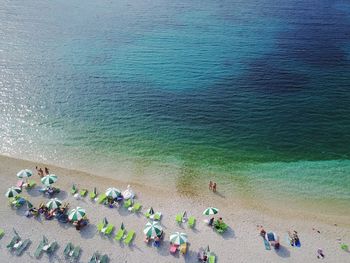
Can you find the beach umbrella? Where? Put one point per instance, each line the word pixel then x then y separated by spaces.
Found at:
pixel 76 214
pixel 210 211
pixel 54 203
pixel 178 238
pixel 13 191
pixel 122 226
pixel 29 205
pixel 49 179
pixel 153 229
pixel 24 174
pixel 112 192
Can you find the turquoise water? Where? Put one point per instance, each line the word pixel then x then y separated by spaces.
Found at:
pixel 254 94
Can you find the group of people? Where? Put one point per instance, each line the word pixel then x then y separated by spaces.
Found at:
pixel 212 220
pixel 212 186
pixel 156 239
pixel 42 172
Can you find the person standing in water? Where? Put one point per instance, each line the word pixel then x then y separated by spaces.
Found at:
pixel 214 187
pixel 210 185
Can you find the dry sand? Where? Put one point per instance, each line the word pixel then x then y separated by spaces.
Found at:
pixel 240 243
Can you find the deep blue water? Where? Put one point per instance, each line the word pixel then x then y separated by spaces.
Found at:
pixel 254 93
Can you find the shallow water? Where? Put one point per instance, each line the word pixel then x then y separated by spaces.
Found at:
pixel 254 94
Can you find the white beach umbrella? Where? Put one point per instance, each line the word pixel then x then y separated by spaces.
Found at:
pixel 210 211
pixel 153 229
pixel 178 238
pixel 112 192
pixel 24 174
pixel 76 214
pixel 54 203
pixel 13 191
pixel 49 179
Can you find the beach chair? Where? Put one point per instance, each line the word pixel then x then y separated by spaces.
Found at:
pixel 22 247
pixel 129 237
pixel 51 247
pixel 157 216
pixel 127 203
pixel 102 198
pixel 13 241
pixel 95 258
pixel 109 229
pixel 76 252
pixel 67 250
pixel 93 194
pixel 83 192
pixel 38 252
pixel 183 248
pixel 178 218
pixel 31 184
pixel 136 207
pixel 104 259
pixel 212 258
pixel 73 190
pixel 191 221
pixel 173 248
pixel 119 234
pixel 2 233
pixel 100 226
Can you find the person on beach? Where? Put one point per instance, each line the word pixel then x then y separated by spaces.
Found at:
pixel 262 231
pixel 211 221
pixel 210 185
pixel 40 171
pixel 320 254
pixel 293 238
pixel 214 187
pixel 47 171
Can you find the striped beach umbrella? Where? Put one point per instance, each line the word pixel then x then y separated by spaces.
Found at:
pixel 29 205
pixel 49 179
pixel 13 191
pixel 153 229
pixel 112 192
pixel 76 214
pixel 210 211
pixel 54 203
pixel 150 211
pixel 178 238
pixel 24 174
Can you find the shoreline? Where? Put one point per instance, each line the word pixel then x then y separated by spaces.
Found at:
pixel 240 243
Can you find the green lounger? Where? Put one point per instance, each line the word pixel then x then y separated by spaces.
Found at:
pixel 74 189
pixel 104 259
pixel 23 247
pixel 119 235
pixel 157 216
pixel 31 184
pixel 127 203
pixel 13 242
pixel 95 258
pixel 211 259
pixel 52 248
pixel 191 221
pixel 102 198
pixel 68 249
pixel 109 229
pixel 76 252
pixel 2 233
pixel 136 207
pixel 178 218
pixel 92 195
pixel 129 237
pixel 100 226
pixel 83 192
pixel 39 249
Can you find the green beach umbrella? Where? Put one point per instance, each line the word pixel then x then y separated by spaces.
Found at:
pixel 49 179
pixel 54 203
pixel 150 211
pixel 13 191
pixel 210 211
pixel 178 238
pixel 29 205
pixel 24 174
pixel 153 229
pixel 113 192
pixel 76 214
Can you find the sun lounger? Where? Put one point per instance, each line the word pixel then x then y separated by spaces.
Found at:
pixel 76 252
pixel 104 259
pixel 129 237
pixel 173 248
pixel 100 226
pixel 102 198
pixel 136 207
pixel 39 249
pixel 191 221
pixel 83 192
pixel 109 229
pixel 157 216
pixel 51 247
pixel 92 195
pixel 31 184
pixel 23 247
pixel 95 258
pixel 178 218
pixel 212 259
pixel 68 249
pixel 183 248
pixel 13 241
pixel 73 190
pixel 127 203
pixel 2 233
pixel 119 235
